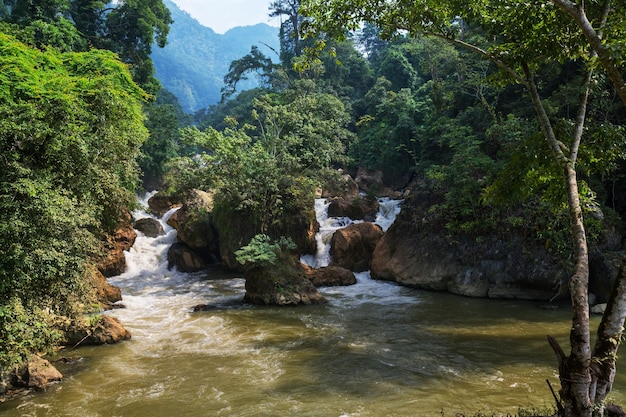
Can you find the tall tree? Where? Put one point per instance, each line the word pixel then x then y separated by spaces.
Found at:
pixel 126 27
pixel 290 36
pixel 526 37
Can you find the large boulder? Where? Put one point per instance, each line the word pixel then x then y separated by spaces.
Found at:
pixel 107 330
pixel 195 227
pixel 355 207
pixel 40 373
pixel 184 259
pixel 105 294
pixel 419 251
pixel 149 227
pixel 36 374
pixel 237 227
pixel 114 262
pixel 281 284
pixel 372 183
pixel 329 276
pixel 352 246
pixel 161 203
pixel 340 185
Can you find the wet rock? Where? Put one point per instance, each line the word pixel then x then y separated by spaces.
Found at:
pixel 352 246
pixel 36 374
pixel 356 208
pixel 181 257
pixel 108 330
pixel 329 276
pixel 417 251
pixel 160 203
pixel 105 293
pixel 149 227
pixel 114 263
pixel 281 284
pixel 194 225
pixel 40 373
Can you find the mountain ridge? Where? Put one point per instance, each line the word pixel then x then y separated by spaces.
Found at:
pixel 195 60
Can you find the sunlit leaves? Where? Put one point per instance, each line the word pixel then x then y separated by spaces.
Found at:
pixel 70 130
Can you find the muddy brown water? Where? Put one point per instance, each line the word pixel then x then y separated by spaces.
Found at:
pixel 376 349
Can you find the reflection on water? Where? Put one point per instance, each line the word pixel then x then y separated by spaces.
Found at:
pixel 376 349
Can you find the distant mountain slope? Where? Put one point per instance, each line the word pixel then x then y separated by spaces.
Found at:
pixel 193 63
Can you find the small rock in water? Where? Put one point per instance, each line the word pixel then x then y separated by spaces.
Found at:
pixel 598 309
pixel 149 227
pixel 203 307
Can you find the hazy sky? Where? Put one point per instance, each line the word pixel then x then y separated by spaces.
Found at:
pixel 221 15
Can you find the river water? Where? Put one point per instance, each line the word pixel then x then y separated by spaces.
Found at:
pixel 376 349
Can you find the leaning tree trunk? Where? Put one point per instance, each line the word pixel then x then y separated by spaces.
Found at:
pixel 608 339
pixel 575 370
pixel 577 385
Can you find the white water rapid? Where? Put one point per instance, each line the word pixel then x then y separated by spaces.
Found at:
pixel 388 210
pixel 375 350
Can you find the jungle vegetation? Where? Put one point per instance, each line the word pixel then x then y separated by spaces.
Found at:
pixel 511 114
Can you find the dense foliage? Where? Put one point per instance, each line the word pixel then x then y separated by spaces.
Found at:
pixel 129 28
pixel 259 169
pixel 71 125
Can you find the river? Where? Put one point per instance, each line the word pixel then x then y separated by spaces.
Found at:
pixel 376 349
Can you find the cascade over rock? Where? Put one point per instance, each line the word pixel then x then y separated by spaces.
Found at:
pixel 352 246
pixel 416 251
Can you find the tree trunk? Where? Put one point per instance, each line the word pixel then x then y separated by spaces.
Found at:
pixel 577 389
pixel 576 381
pixel 608 339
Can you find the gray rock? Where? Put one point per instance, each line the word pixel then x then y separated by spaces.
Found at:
pixel 181 257
pixel 149 227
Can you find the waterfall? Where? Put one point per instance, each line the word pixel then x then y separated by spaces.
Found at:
pixel 387 212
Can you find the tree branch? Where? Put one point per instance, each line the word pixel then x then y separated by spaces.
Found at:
pixel 577 12
pixel 503 66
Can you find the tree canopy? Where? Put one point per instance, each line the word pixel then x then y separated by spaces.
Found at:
pixel 128 28
pixel 70 132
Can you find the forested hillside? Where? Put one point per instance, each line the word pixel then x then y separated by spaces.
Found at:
pixel 195 60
